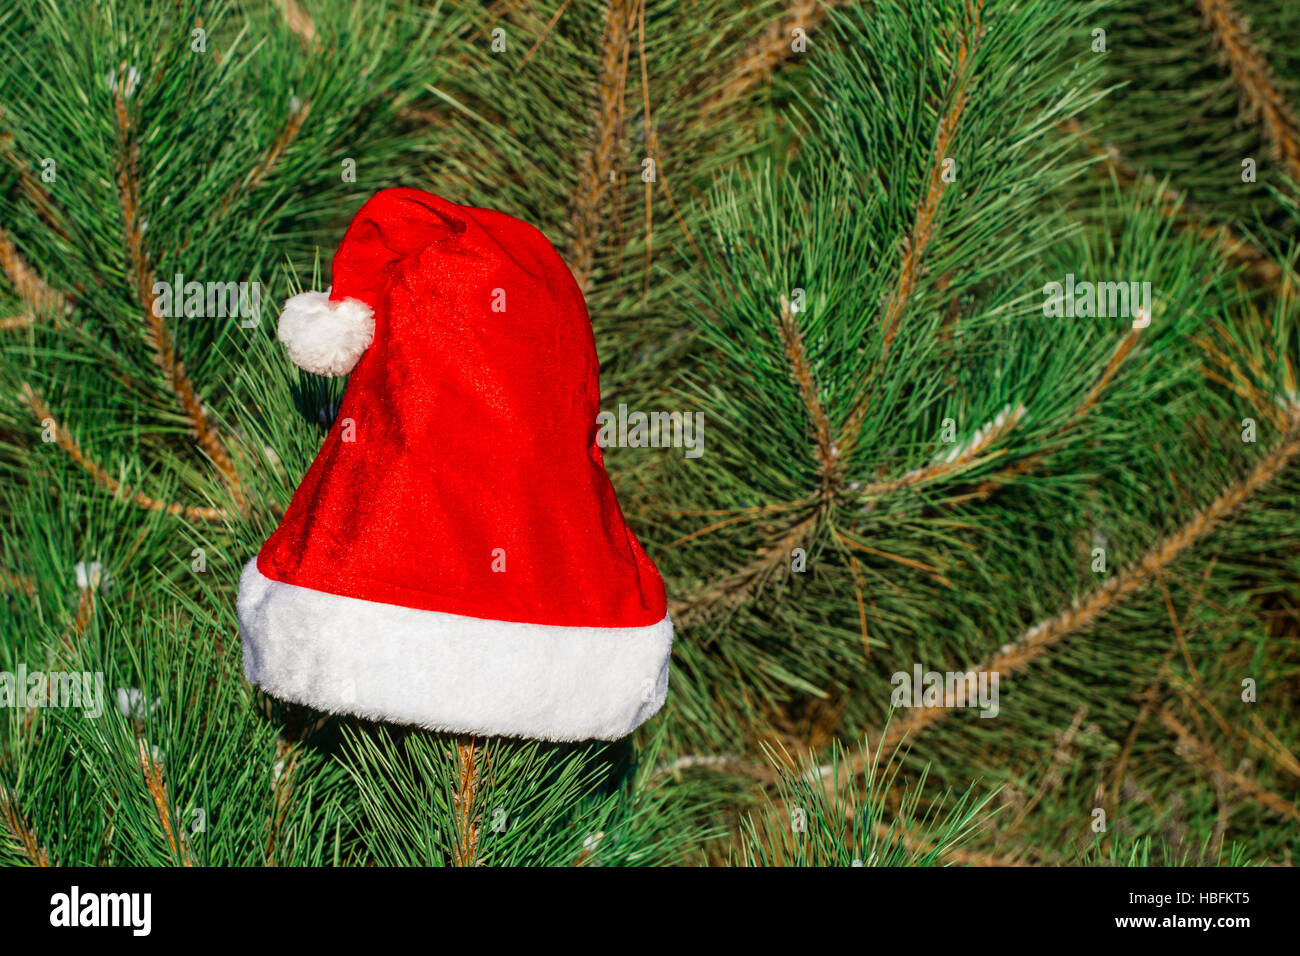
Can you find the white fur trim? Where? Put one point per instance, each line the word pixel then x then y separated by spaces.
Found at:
pixel 326 337
pixel 448 672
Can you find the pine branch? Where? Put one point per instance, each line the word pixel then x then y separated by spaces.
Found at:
pixel 916 843
pixel 734 517
pixel 35 293
pixel 1233 731
pixel 298 20
pixel 1093 395
pixel 69 638
pixel 867 828
pixel 157 334
pixel 266 165
pixel 81 621
pixel 1044 635
pixel 910 836
pixel 745 583
pixel 960 457
pixel 597 168
pixel 286 763
pixel 468 756
pixel 156 783
pixel 767 54
pixel 742 585
pixel 652 149
pixel 850 541
pixel 1188 216
pixel 1059 760
pixel 1206 755
pixel 1239 383
pixel 28 184
pixel 827 455
pixel 20 831
pixel 63 438
pixel 1254 78
pixel 546 31
pixel 11 581
pixel 914 245
pixel 860 586
pixel 1150 698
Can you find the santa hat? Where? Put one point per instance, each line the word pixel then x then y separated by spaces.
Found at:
pixel 455 557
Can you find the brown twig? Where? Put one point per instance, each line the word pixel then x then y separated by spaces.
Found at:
pixel 546 31
pixel 21 831
pixel 279 146
pixel 298 20
pixel 266 165
pixel 652 148
pixel 156 332
pixel 1090 399
pixel 35 293
pixel 859 585
pixel 1061 759
pixel 1151 697
pixel 1254 77
pixel 734 516
pixel 739 586
pixel 12 581
pixel 1238 381
pixel 467 768
pixel 81 620
pixel 1235 732
pixel 923 225
pixel 917 241
pixel 1044 635
pixel 63 438
pixel 852 542
pixel 30 186
pixel 156 784
pixel 597 169
pixel 743 584
pixel 1206 755
pixel 964 456
pixel 829 463
pixel 763 56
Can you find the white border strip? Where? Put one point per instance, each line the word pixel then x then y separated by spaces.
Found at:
pixel 448 672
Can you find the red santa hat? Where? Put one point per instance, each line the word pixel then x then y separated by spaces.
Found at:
pixel 455 557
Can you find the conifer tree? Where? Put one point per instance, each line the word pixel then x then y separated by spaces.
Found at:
pixel 828 231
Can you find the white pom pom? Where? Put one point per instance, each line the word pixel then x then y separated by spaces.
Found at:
pixel 323 336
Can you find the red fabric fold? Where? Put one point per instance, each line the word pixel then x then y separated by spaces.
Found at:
pixel 474 434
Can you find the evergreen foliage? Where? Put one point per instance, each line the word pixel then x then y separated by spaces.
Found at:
pixel 837 254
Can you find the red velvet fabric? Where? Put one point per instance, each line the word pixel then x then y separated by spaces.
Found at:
pixel 474 430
